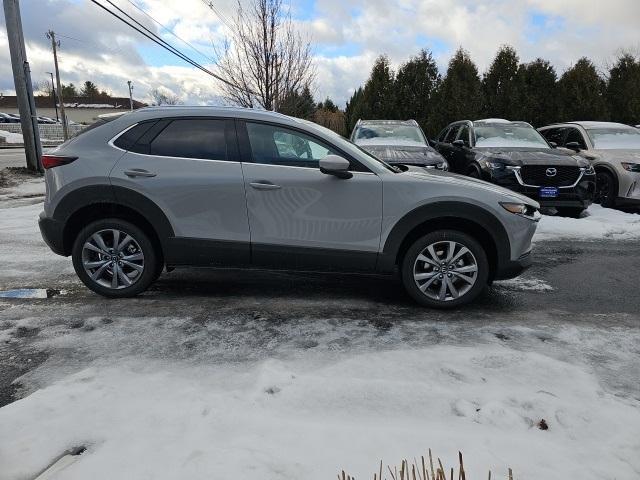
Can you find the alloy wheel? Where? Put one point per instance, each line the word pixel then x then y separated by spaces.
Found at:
pixel 113 259
pixel 445 270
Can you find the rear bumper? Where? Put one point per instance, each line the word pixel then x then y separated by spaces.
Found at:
pixel 513 268
pixel 52 233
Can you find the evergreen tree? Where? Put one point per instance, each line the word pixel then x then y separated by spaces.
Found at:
pixel 459 96
pixel 69 91
pixel 298 104
pixel 353 110
pixel 378 95
pixel 500 85
pixel 538 93
pixel 328 105
pixel 623 90
pixel 415 85
pixel 89 90
pixel 581 93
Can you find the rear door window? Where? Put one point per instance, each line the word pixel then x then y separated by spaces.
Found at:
pixel 191 138
pixel 451 136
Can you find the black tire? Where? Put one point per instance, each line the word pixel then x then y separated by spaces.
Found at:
pixel 606 189
pixel 437 238
pixel 141 243
pixel 571 212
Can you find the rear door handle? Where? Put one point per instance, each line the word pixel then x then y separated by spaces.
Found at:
pixel 139 172
pixel 264 185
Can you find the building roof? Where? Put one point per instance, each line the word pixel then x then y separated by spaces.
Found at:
pixel 10 101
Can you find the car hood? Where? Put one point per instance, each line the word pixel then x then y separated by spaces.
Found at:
pixel 632 156
pixel 521 157
pixel 468 182
pixel 405 154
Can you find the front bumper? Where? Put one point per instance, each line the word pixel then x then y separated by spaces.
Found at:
pixel 52 233
pixel 579 195
pixel 513 268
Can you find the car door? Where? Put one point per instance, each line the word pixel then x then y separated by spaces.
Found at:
pixel 447 150
pixel 300 217
pixel 189 168
pixel 461 156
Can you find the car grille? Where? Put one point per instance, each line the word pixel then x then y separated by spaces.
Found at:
pixel 537 175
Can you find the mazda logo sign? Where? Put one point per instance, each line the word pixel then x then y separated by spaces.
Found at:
pixel 551 172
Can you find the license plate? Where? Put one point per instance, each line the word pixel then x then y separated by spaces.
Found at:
pixel 548 192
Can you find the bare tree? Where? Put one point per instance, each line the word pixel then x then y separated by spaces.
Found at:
pixel 265 58
pixel 160 97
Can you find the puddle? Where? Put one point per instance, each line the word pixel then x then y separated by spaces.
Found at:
pixel 30 293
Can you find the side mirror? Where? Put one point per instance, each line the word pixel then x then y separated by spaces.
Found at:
pixel 553 144
pixel 336 166
pixel 573 146
pixel 459 143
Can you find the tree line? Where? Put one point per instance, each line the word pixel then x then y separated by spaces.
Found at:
pixel 509 89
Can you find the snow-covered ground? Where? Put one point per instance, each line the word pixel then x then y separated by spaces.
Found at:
pixel 144 412
pixel 596 223
pixel 16 138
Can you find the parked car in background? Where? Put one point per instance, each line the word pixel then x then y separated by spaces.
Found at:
pixel 397 142
pixel 46 120
pixel 613 150
pixel 176 186
pixel 514 155
pixel 9 118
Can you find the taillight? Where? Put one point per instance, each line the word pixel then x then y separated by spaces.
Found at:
pixel 50 161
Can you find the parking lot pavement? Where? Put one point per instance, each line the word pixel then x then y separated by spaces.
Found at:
pixel 12 157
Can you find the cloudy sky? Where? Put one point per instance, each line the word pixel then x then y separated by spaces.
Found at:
pixel 347 35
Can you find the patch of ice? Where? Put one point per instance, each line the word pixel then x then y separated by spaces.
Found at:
pixel 524 284
pixel 24 293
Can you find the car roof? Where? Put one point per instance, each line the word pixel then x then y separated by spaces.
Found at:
pixel 588 124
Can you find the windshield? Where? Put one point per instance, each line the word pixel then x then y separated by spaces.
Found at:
pixel 389 134
pixel 615 138
pixel 509 136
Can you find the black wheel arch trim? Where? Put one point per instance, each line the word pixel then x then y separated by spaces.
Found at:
pixel 433 212
pixel 117 196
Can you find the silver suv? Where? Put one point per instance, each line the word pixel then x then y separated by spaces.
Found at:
pixel 181 186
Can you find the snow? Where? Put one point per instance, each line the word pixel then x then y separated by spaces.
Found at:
pixel 597 223
pixel 11 137
pixel 524 284
pixel 402 142
pixel 501 142
pixel 309 417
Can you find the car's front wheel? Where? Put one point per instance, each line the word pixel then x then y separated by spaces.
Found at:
pixel 605 189
pixel 445 269
pixel 115 258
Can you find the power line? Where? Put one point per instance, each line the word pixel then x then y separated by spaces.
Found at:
pixel 170 31
pixel 219 14
pixel 154 38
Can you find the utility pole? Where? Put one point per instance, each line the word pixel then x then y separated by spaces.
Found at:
pixel 51 34
pixel 22 82
pixel 53 94
pixel 130 95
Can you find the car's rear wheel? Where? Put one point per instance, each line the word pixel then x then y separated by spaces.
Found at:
pixel 445 269
pixel 115 258
pixel 605 189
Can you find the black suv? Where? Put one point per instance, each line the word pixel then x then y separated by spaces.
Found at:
pixel 516 156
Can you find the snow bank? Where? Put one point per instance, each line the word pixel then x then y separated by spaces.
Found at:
pixel 596 223
pixel 11 137
pixel 309 418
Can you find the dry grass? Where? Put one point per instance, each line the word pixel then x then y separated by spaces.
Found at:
pixel 426 469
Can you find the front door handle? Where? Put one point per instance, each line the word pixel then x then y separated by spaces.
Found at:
pixel 139 172
pixel 264 185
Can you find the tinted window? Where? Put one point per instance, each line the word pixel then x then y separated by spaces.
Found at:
pixel 451 136
pixel 555 135
pixel 574 135
pixel 280 146
pixel 191 138
pixel 131 136
pixel 443 135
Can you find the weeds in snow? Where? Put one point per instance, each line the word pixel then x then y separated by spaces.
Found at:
pixel 420 471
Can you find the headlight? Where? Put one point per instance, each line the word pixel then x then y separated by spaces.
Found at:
pixel 588 170
pixel 443 166
pixel 495 165
pixel 631 167
pixel 522 209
